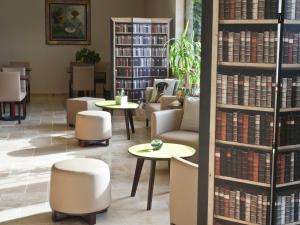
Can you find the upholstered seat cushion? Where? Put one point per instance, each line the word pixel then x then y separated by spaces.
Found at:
pixel 80 186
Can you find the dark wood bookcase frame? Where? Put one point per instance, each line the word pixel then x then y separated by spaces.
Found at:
pixel 208 142
pixel 129 76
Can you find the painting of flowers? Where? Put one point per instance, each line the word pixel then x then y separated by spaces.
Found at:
pixel 68 22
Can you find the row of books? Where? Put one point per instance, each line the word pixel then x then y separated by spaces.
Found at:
pixel 141 62
pixel 288 167
pixel 247 9
pixel 147 52
pixel 289 132
pixel 142 28
pixel 133 94
pixel 290 92
pixel 141 72
pixel 247 47
pixel 288 208
pixel 243 164
pixel 141 39
pixel 244 90
pixel 128 84
pixel 247 128
pixel 241 205
pixel 292 9
pixel 291 48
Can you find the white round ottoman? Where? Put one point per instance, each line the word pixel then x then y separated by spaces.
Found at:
pixel 93 126
pixel 81 187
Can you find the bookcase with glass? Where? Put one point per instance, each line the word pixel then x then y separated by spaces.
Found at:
pixel 140 54
pixel 256 150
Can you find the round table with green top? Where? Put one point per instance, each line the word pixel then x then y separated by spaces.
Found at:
pixel 145 152
pixel 128 108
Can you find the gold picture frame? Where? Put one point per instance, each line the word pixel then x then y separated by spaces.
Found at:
pixel 68 22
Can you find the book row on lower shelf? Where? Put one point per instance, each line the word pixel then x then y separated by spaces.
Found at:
pixel 246 9
pixel 141 52
pixel 246 128
pixel 256 47
pixel 148 62
pixel 288 208
pixel 289 132
pixel 241 205
pixel 288 167
pixel 128 84
pixel 134 95
pixel 244 90
pixel 243 164
pixel 141 72
pixel 142 28
pixel 140 40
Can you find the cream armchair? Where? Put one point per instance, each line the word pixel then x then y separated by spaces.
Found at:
pixel 166 126
pixel 165 101
pixel 183 192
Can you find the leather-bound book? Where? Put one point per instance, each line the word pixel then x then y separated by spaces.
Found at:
pixel 251 133
pixel 218 124
pixel 236 47
pixel 272 46
pixel 233 172
pixel 219 88
pixel 242 46
pixel 223 125
pixel 246 90
pixel 235 127
pixel 225 46
pixel 250 165
pixel 258 91
pixel 273 10
pixel 269 91
pixel 254 47
pixel 230 46
pixel 217 201
pixel 243 206
pixel 295 48
pixel 290 47
pixel 255 9
pixel 253 209
pixel 221 200
pixel 266 45
pixel 220 46
pixel 249 9
pixel 240 127
pixel 241 90
pixel 247 207
pixel 263 97
pixel 221 9
pixel 226 202
pixel 230 91
pixel 228 162
pixel 282 168
pixel 262 168
pixel 224 89
pixel 237 205
pixel 259 209
pixel 267 9
pixel 217 161
pixel 238 9
pixel 231 203
pixel 268 168
pixel 236 89
pixel 226 10
pixel 260 48
pixel 265 210
pixel 229 126
pixel 261 9
pixel 255 166
pixel 248 47
pixel 252 89
pixel 245 128
pixel 245 165
pixel 257 129
pixel 285 47
pixel 244 9
pixel 297 10
pixel 231 9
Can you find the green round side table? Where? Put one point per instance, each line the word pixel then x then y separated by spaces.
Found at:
pixel 128 108
pixel 144 152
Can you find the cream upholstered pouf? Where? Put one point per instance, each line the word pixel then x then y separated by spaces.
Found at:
pixel 75 105
pixel 93 126
pixel 80 186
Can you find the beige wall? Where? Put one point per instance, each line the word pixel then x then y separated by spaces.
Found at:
pixel 22 37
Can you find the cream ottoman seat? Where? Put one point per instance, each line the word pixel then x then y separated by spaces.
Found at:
pixel 75 105
pixel 93 126
pixel 80 187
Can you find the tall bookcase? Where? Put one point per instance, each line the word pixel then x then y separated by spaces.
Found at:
pixel 139 53
pixel 254 141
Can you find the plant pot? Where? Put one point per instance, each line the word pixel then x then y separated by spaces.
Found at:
pixel 121 100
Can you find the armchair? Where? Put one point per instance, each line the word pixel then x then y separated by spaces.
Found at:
pixel 151 107
pixel 183 192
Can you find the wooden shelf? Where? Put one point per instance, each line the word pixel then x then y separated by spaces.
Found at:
pixel 141 56
pixel 131 89
pixel 142 45
pixel 162 67
pixel 142 77
pixel 288 148
pixel 248 65
pixel 292 22
pixel 249 21
pixel 233 220
pixel 291 66
pixel 295 223
pixel 243 107
pixel 296 109
pixel 258 147
pixel 139 33
pixel 288 184
pixel 233 179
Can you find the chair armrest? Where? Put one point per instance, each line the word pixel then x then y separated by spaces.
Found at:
pixel 148 94
pixel 164 121
pixel 165 101
pixel 183 191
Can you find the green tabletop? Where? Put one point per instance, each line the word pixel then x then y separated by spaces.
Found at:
pixel 167 151
pixel 111 104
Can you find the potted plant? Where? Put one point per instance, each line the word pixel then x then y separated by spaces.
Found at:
pixel 185 62
pixel 121 98
pixel 87 56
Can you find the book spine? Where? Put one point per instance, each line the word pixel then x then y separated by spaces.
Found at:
pixel 254 47
pixel 220 46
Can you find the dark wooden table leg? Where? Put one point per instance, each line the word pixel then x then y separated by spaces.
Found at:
pixel 127 123
pixel 137 174
pixel 131 120
pixel 151 184
pixel 12 110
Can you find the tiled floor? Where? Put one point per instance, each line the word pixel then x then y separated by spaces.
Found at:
pixel 27 152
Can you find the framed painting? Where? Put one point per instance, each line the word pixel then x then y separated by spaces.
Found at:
pixel 68 22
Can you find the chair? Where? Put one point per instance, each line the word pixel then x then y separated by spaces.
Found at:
pixel 10 91
pixel 83 79
pixel 151 107
pixel 183 192
pixel 25 64
pixel 179 126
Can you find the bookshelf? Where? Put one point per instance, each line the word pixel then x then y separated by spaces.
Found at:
pixel 255 113
pixel 139 54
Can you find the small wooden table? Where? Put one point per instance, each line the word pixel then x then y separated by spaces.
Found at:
pixel 145 152
pixel 128 108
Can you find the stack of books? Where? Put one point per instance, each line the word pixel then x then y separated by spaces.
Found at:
pixel 246 128
pixel 245 90
pixel 288 167
pixel 289 124
pixel 288 208
pixel 241 205
pixel 243 164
